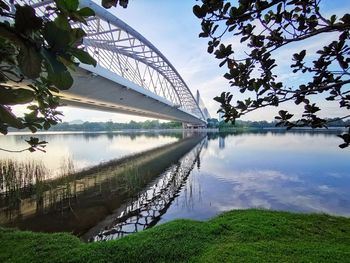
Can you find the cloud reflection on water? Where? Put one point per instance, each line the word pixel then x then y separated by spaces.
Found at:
pixel 293 172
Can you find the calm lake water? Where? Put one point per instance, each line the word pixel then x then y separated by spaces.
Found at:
pixel 150 178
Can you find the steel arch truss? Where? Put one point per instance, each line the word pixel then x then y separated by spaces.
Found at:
pixel 120 49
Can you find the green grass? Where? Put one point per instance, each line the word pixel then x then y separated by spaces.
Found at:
pixel 236 236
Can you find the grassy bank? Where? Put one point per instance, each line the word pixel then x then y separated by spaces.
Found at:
pixel 237 236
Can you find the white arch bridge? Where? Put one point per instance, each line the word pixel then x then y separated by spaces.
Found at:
pixel 132 76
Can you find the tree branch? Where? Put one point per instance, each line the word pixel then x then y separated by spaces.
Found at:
pixel 328 29
pixel 14 151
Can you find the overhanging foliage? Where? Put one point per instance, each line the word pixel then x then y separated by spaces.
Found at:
pixel 37 55
pixel 265 27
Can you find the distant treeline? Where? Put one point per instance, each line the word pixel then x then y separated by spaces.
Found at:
pixel 111 126
pixel 239 124
pixel 155 124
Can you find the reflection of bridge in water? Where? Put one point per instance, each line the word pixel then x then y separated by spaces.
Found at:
pixel 146 209
pixel 78 202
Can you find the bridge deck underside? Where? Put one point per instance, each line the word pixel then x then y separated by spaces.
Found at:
pixel 93 91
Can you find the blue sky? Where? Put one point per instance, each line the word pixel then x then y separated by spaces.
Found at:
pixel 171 26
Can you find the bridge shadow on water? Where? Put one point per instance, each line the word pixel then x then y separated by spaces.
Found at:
pixel 109 200
pixel 145 210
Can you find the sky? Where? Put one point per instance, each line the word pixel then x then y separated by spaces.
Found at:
pixel 173 28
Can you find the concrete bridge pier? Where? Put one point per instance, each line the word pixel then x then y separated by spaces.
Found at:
pixel 193 126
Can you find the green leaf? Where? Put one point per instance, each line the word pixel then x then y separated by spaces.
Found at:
pixel 15 96
pixel 29 61
pixel 123 3
pixel 244 38
pixel 58 38
pixel 62 22
pixel 226 7
pixel 76 36
pixel 3 128
pixel 279 7
pixel 26 20
pixel 83 56
pixel 218 99
pixel 109 3
pixel 6 116
pixel 85 11
pixel 47 125
pixel 346 138
pixel 228 76
pixel 199 11
pixel 6 33
pixel 52 64
pixel 67 5
pixel 62 80
pixel 66 59
pixel 58 74
pixel 346 19
pixel 71 5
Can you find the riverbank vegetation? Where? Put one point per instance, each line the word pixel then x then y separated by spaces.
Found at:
pixel 236 236
pixel 113 126
pixel 251 125
pixel 156 125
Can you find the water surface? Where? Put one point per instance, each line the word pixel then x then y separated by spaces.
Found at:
pixel 180 175
pixel 85 149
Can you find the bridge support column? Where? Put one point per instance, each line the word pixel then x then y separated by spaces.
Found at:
pixel 192 126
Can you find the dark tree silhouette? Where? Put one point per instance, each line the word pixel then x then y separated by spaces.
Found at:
pixel 265 27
